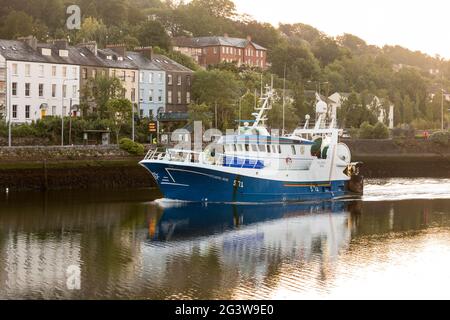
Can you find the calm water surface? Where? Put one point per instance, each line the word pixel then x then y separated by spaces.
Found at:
pixel 395 243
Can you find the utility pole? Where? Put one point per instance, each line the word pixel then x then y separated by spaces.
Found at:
pixel 442 111
pixel 215 112
pixel 284 98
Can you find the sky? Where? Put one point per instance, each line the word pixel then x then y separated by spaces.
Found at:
pixel 415 24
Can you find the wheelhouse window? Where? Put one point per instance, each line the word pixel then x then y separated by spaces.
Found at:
pixel 279 148
pixel 262 148
pixel 254 148
pixel 294 152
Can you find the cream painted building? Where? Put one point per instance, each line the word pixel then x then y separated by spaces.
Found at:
pixel 39 81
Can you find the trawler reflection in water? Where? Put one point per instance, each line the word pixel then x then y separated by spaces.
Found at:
pixel 295 229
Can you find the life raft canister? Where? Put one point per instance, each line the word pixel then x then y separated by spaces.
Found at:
pixel 288 160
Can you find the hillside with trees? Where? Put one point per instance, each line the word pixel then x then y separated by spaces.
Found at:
pixel 410 80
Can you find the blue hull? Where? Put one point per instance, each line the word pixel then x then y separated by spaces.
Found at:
pixel 194 184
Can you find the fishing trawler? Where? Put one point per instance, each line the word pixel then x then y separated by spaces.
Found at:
pixel 253 165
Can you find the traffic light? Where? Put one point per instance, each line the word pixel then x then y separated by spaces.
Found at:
pixel 152 127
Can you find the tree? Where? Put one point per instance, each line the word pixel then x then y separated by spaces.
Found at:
pixel 93 30
pixel 100 90
pixel 220 91
pixel 408 110
pixel 200 112
pixel 152 33
pixel 17 24
pixel 299 62
pixel 217 8
pixel 119 111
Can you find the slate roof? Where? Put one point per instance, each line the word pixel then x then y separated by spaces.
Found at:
pixel 77 56
pixel 166 64
pixel 200 42
pixel 126 63
pixel 19 51
pixel 141 61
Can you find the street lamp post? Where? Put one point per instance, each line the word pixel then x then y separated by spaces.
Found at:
pixel 62 109
pixel 442 111
pixel 9 88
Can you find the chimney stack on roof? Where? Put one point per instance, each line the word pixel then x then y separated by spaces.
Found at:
pixel 249 38
pixel 61 44
pixel 30 40
pixel 146 51
pixel 120 49
pixel 91 46
pixel 225 35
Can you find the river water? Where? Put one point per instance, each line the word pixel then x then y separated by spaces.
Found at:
pixel 394 243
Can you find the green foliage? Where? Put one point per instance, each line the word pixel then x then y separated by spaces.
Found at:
pixel 131 147
pixel 119 111
pixel 366 131
pixel 441 137
pixel 100 90
pixel 379 131
pixel 152 33
pixel 220 91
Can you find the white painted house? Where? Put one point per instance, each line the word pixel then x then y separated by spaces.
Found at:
pixel 40 81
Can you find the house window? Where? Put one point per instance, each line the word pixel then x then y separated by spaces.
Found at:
pixel 215 50
pixel 41 70
pixel 53 90
pixel 14 68
pixel 94 73
pixel 14 89
pixel 150 95
pixel 179 81
pixel 160 92
pixel 150 114
pixel 114 73
pixel 160 76
pixel 141 77
pixel 65 72
pixel 188 80
pixel 14 111
pixel 133 76
pixel 27 112
pixel 64 110
pixel 41 89
pixel 27 70
pixel 27 89
pixel 133 94
pixel 169 96
pixel 64 89
pixel 124 75
pixel 188 97
pixel 179 97
pixel 74 72
pixel 223 49
pixel 84 73
pixel 74 91
pixel 53 110
pixel 150 78
pixel 169 79
pixel 54 71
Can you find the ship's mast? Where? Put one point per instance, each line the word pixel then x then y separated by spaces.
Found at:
pixel 267 97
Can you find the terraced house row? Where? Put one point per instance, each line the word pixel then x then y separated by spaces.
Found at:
pixel 47 79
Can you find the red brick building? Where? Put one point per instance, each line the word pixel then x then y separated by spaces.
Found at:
pixel 213 50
